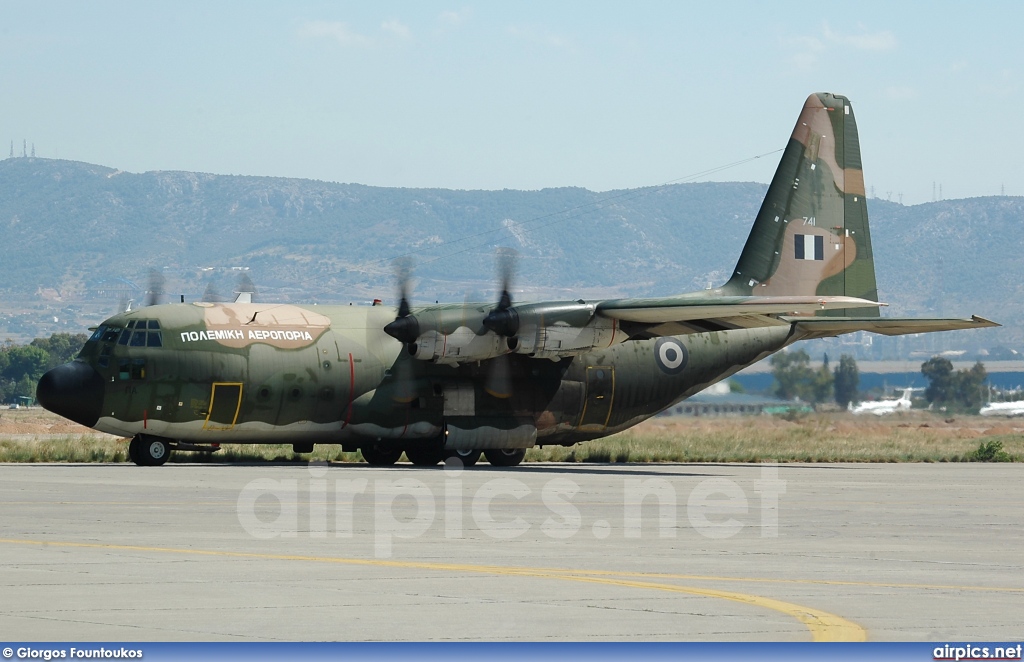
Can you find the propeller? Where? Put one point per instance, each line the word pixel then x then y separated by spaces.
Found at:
pixel 405 328
pixel 211 295
pixel 504 321
pixel 245 290
pixel 155 291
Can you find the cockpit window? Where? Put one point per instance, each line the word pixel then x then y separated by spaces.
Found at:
pixel 141 333
pixel 110 333
pixel 97 333
pixel 131 369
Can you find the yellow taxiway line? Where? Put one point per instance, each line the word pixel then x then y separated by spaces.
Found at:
pixel 822 625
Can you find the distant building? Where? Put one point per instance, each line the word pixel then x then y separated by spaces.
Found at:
pixel 718 400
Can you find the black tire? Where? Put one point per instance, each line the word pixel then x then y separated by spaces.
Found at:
pixel 378 455
pixel 151 451
pixel 468 457
pixel 425 456
pixel 505 457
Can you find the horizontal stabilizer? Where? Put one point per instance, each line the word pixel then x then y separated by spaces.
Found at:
pixel 827 327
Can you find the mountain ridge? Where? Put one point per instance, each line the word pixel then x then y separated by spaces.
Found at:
pixel 70 227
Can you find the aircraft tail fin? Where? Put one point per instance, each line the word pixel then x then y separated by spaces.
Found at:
pixel 811 236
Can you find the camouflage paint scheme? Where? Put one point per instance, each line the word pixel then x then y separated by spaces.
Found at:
pixel 269 373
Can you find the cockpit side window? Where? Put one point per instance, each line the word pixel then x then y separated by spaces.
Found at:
pixel 138 339
pixel 110 333
pixel 131 369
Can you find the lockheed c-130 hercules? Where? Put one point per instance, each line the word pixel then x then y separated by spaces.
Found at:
pixel 463 379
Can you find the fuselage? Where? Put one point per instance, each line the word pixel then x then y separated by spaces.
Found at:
pixel 264 373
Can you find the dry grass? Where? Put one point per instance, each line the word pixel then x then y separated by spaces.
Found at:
pixel 37 436
pixel 839 437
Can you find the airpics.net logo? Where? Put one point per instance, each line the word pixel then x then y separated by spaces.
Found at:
pixel 501 508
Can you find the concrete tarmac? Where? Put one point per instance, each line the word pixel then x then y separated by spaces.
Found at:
pixel 540 552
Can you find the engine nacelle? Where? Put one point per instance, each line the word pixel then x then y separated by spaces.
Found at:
pixel 459 334
pixel 559 330
pixel 459 346
pixel 456 334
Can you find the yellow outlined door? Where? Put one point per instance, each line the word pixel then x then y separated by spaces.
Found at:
pixel 597 408
pixel 225 402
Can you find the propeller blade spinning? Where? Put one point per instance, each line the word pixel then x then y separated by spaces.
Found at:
pixel 405 328
pixel 155 292
pixel 504 321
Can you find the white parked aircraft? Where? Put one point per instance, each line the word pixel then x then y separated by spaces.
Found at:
pixel 883 407
pixel 1003 409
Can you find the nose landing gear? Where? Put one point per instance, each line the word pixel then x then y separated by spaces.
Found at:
pixel 147 451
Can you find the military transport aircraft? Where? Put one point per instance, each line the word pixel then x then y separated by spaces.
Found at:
pixel 459 379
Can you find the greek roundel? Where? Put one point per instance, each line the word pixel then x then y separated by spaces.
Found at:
pixel 670 355
pixel 809 247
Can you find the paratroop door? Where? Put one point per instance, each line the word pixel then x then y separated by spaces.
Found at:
pixel 225 401
pixel 600 394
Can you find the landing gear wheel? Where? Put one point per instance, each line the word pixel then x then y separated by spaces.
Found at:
pixel 468 457
pixel 378 455
pixel 425 456
pixel 150 451
pixel 505 457
pixel 133 450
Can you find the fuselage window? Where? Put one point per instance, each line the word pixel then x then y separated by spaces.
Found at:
pixel 97 333
pixel 123 369
pixel 110 333
pixel 138 368
pixel 154 325
pixel 154 339
pixel 125 336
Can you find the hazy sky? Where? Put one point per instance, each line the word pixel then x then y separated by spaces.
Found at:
pixel 514 95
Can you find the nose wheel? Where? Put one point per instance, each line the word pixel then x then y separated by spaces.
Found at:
pixel 148 451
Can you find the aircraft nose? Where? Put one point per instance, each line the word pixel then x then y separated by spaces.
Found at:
pixel 74 391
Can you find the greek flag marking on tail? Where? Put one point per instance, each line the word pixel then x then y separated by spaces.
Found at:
pixel 809 247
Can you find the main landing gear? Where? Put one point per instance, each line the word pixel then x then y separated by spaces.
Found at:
pixel 381 455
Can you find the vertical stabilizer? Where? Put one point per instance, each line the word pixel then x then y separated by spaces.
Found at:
pixel 811 235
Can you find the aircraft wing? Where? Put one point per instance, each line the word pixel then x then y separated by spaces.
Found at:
pixel 827 327
pixel 696 314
